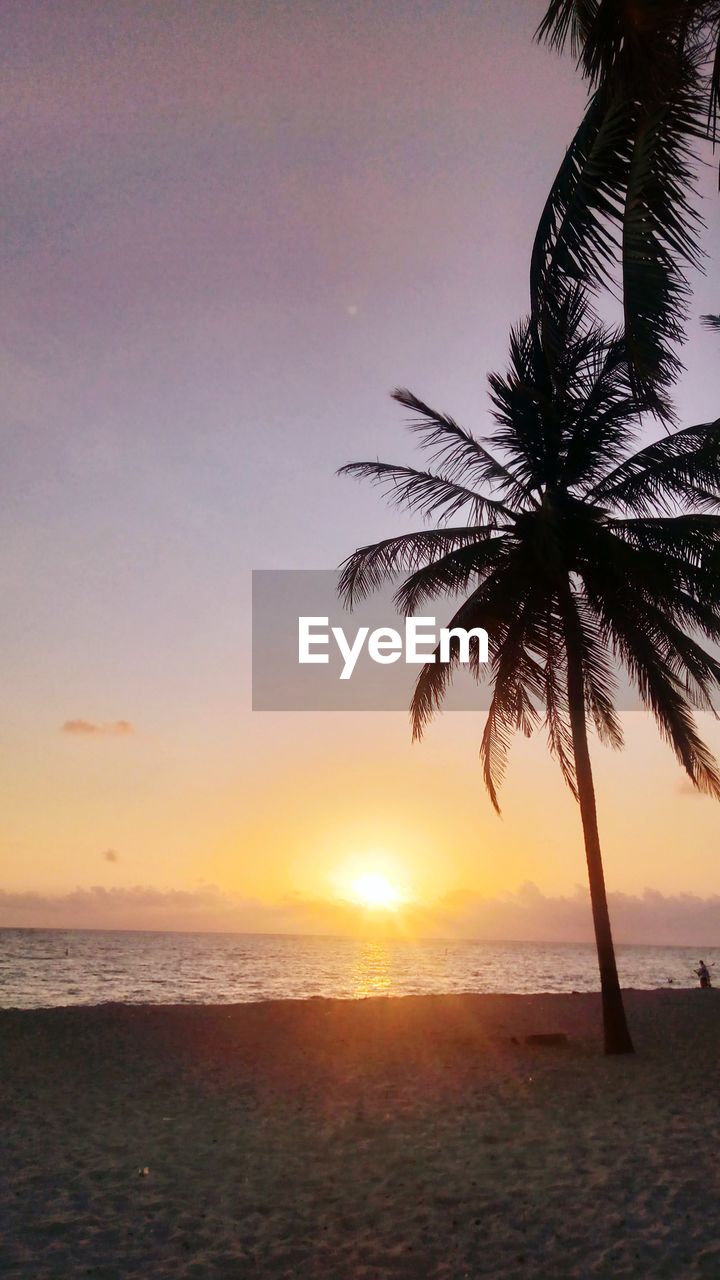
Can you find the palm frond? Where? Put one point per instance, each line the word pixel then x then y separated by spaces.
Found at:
pixel 458 453
pixel 663 694
pixel 568 20
pixel 522 402
pixel 516 678
pixel 574 240
pixel 606 415
pixel 594 28
pixel 714 103
pixel 624 196
pixel 676 580
pixel 598 676
pixel 667 667
pixel 689 538
pixel 683 551
pixel 660 232
pixel 451 574
pixel 434 496
pixel 557 718
pixel 681 468
pixel 478 610
pixel 372 567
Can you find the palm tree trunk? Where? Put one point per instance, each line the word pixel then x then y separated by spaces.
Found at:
pixel 617 1036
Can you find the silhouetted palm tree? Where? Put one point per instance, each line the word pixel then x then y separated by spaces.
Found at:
pixel 625 190
pixel 570 552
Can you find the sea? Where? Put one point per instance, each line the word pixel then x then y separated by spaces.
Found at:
pixel 42 968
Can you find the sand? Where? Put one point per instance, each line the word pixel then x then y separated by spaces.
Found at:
pixel 356 1140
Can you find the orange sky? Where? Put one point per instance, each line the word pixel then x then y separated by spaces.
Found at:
pixel 274 829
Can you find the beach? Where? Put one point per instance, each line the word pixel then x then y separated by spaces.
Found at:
pixel 360 1140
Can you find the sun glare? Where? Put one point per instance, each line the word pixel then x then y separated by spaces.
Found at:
pixel 375 890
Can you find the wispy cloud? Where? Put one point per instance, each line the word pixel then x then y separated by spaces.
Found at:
pixel 87 728
pixel 111 855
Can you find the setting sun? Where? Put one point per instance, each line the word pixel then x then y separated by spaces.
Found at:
pixel 374 890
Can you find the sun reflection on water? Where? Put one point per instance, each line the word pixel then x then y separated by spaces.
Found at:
pixel 372 971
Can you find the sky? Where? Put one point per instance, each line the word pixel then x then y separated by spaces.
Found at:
pixel 228 231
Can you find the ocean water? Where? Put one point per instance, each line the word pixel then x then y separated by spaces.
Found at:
pixel 40 968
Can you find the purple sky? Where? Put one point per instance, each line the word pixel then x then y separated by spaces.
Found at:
pixel 197 198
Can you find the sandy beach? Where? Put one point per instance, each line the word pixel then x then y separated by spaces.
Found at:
pixel 416 1137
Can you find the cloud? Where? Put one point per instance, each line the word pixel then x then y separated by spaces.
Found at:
pixel 136 906
pixel 116 729
pixel 526 914
pixel 111 855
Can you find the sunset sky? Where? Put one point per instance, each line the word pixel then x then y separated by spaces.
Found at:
pixel 229 230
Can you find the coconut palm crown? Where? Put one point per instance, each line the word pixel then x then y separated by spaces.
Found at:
pixel 624 196
pixel 574 553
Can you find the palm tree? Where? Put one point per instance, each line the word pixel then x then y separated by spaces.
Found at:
pixel 570 551
pixel 624 194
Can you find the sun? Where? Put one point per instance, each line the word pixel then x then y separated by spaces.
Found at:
pixel 374 890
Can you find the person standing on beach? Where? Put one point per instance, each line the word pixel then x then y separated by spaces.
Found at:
pixel 703 974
